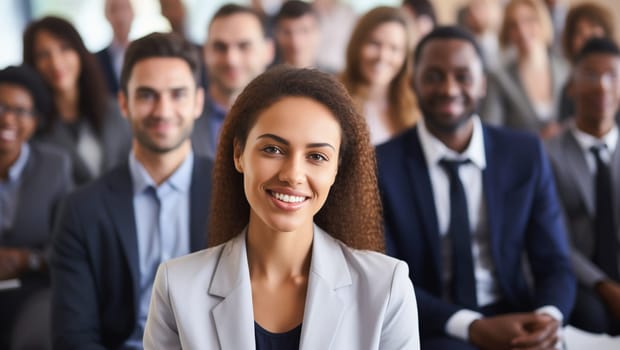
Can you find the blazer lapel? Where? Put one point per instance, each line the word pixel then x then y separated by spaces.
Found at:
pixel 493 190
pixel 200 195
pixel 576 164
pixel 615 179
pixel 324 308
pixel 119 201
pixel 234 315
pixel 528 114
pixel 421 182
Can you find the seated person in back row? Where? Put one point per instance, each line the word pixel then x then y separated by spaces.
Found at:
pixel 464 203
pixel 586 163
pixel 114 232
pixel 33 180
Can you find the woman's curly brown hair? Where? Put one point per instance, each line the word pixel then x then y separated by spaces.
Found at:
pixel 352 212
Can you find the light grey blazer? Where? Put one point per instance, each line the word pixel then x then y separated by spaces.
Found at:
pixel 507 103
pixel 576 188
pixel 355 300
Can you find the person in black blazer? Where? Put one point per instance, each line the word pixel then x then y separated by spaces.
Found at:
pixel 465 240
pixel 33 180
pixel 114 232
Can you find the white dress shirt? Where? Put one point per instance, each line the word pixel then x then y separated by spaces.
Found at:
pixel 587 141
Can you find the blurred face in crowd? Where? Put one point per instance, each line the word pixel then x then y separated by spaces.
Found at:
pixel 595 88
pixel 236 52
pixel 298 40
pixel 161 104
pixel 525 28
pixel 173 11
pixel 585 29
pixel 449 83
pixel 289 163
pixel 120 15
pixel 383 54
pixel 57 62
pixel 17 118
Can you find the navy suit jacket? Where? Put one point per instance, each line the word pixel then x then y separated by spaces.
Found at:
pixel 523 217
pixel 95 261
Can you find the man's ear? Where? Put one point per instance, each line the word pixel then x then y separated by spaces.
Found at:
pixel 237 152
pixel 122 103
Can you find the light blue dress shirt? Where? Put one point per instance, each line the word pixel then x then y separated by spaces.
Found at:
pixel 9 190
pixel 162 224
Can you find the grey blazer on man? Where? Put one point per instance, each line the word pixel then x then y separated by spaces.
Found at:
pixel 575 185
pixel 507 103
pixel 45 181
pixel 355 300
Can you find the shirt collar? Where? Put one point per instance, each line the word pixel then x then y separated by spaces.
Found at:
pixel 16 170
pixel 587 141
pixel 180 180
pixel 434 150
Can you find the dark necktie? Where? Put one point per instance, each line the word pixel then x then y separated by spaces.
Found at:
pixel 606 246
pixel 463 281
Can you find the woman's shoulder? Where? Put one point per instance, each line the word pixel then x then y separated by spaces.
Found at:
pixel 195 265
pixel 371 265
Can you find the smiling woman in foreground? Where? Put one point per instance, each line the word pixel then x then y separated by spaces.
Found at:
pixel 296 220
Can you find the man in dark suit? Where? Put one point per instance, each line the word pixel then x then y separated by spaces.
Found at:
pixel 586 163
pixel 237 50
pixel 464 203
pixel 119 14
pixel 114 232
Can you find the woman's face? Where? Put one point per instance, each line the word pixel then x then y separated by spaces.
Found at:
pixel 585 30
pixel 17 119
pixel 58 63
pixel 525 28
pixel 289 163
pixel 383 54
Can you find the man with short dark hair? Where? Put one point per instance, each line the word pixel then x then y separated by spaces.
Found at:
pixel 297 34
pixel 464 203
pixel 586 163
pixel 115 232
pixel 237 50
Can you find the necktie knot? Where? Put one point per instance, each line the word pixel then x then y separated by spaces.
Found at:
pixel 597 150
pixel 451 166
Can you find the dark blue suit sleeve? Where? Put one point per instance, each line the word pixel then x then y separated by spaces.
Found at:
pixel 75 310
pixel 547 244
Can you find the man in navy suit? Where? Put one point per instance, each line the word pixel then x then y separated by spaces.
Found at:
pixel 469 206
pixel 115 232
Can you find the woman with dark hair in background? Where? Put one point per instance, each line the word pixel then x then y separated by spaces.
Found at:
pixel 85 121
pixel 378 68
pixel 295 227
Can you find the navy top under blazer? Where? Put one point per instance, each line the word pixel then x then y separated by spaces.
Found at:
pixel 523 216
pixel 94 264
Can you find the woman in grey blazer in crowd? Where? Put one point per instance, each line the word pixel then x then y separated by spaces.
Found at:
pixel 295 231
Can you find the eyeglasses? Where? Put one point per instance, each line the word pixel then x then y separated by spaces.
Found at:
pixel 19 112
